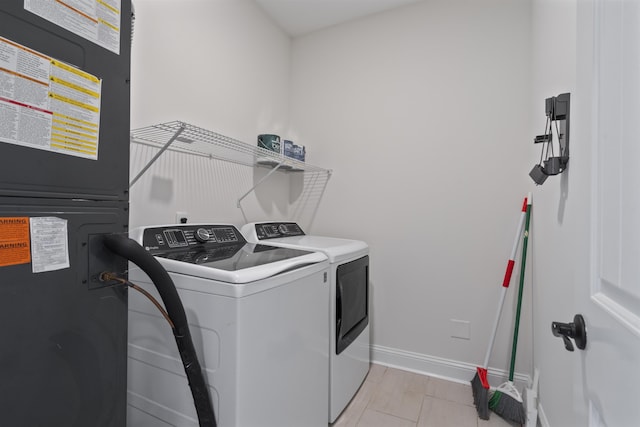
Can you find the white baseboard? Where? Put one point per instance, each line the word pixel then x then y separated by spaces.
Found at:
pixel 448 369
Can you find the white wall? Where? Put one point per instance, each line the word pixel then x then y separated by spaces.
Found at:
pixel 217 64
pixel 562 209
pixel 423 114
pixel 555 215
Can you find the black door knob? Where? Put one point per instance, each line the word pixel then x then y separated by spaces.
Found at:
pixel 576 330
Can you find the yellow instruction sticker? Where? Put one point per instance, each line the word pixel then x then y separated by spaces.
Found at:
pixel 45 102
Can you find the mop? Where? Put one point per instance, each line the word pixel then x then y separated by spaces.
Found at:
pixel 479 383
pixel 506 400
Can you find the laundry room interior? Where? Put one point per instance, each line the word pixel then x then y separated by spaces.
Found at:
pixel 420 122
pixel 425 116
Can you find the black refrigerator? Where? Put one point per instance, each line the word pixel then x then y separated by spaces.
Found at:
pixel 64 173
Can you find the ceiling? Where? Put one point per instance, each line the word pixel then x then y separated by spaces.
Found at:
pixel 299 17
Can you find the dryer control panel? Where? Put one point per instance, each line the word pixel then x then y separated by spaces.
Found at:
pixel 183 236
pixel 272 230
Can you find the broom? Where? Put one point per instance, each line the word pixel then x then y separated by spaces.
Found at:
pixel 479 383
pixel 506 400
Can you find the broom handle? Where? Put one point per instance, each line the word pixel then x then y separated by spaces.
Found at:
pixel 524 259
pixel 506 281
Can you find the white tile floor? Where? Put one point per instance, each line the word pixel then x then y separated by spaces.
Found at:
pixel 394 398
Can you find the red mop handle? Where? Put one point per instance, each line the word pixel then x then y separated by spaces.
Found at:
pixel 512 258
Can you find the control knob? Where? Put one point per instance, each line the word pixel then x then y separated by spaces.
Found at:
pixel 283 229
pixel 202 235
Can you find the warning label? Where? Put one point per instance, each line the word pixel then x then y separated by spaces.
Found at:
pixel 47 104
pixel 95 20
pixel 14 241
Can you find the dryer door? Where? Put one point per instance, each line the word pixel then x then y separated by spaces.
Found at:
pixel 352 301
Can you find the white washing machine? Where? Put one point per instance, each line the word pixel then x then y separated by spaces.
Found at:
pixel 349 352
pixel 258 319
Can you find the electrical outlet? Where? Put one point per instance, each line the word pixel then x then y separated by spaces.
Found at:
pixel 461 329
pixel 182 217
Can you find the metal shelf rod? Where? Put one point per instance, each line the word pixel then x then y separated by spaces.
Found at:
pixel 263 179
pixel 158 154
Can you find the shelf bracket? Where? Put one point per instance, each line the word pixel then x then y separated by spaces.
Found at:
pixel 158 154
pixel 256 185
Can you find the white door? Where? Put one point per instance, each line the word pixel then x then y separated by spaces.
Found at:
pixel 607 274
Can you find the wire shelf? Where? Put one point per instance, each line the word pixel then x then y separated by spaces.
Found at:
pixel 195 140
pixel 189 139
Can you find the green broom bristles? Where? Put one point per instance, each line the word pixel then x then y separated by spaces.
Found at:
pixel 507 403
pixel 480 388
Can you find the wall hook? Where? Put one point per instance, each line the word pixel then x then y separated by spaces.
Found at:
pixel 557 110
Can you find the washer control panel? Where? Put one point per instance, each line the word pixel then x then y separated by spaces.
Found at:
pixel 272 230
pixel 184 236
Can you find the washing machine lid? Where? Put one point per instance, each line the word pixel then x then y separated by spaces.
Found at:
pixel 290 235
pixel 219 252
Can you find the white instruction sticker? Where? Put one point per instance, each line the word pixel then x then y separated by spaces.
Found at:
pixel 47 104
pixel 49 244
pixel 95 20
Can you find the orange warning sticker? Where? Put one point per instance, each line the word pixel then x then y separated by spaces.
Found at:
pixel 14 241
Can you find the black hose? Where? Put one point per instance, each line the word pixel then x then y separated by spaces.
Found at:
pixel 132 251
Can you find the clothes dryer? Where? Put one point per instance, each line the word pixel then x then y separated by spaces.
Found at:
pixel 258 318
pixel 349 340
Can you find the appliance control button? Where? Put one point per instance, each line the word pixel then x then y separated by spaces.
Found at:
pixel 283 229
pixel 202 235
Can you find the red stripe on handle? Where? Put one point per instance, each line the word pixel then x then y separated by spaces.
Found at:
pixel 524 205
pixel 482 374
pixel 507 274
